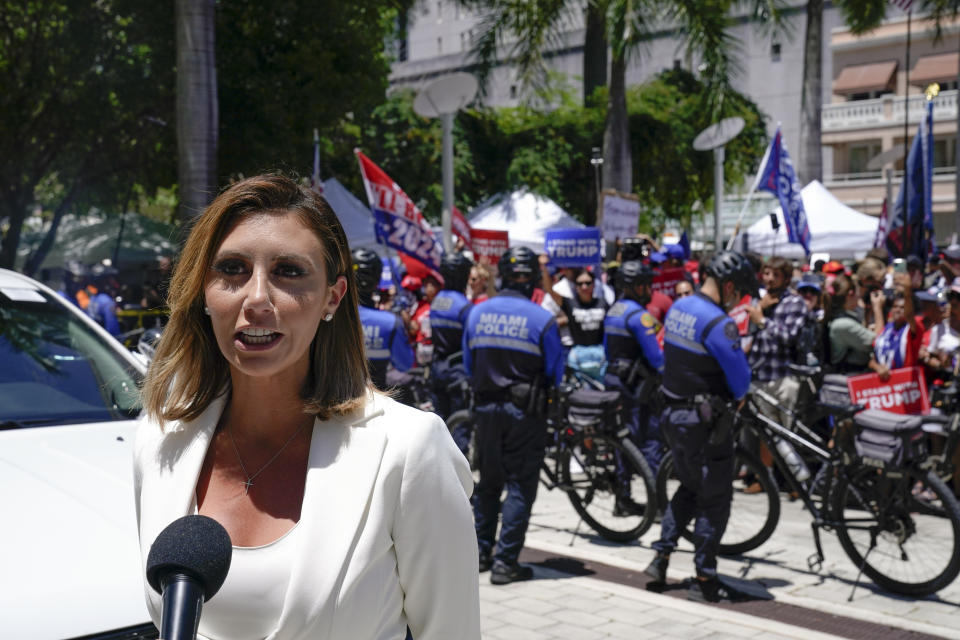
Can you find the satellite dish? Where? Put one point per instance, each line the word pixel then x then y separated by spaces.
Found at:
pixel 718 134
pixel 893 153
pixel 447 94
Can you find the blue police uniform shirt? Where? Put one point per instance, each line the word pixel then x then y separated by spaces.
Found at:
pixel 103 309
pixel 510 340
pixel 384 341
pixel 629 331
pixel 448 312
pixel 701 347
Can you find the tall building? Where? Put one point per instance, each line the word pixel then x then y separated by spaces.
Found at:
pixel 864 90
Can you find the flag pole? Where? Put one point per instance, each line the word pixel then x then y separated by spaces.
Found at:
pixel 753 189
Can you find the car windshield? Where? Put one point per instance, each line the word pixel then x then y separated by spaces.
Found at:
pixel 55 370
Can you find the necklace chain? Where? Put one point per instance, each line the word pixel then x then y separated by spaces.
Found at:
pixel 249 481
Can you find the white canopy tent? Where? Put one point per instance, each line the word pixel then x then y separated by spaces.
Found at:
pixel 835 228
pixel 524 215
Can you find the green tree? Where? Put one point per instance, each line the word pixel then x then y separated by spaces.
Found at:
pixel 85 84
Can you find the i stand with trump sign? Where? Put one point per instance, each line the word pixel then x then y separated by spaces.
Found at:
pixel 573 247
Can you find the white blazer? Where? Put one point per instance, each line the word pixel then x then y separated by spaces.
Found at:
pixel 386 531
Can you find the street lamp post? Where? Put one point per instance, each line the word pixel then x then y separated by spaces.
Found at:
pixel 596 159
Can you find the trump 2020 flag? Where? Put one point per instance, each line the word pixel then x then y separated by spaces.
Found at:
pixel 399 223
pixel 778 177
pixel 910 227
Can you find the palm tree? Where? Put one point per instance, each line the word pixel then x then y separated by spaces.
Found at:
pixel 196 105
pixel 811 97
pixel 536 25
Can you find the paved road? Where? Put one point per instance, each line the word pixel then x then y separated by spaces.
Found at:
pixel 561 605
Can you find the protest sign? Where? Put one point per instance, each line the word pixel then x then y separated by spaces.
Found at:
pixel 619 215
pixel 904 392
pixel 489 244
pixel 573 247
pixel 741 314
pixel 666 281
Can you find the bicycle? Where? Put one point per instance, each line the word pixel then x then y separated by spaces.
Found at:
pixel 590 457
pixel 865 495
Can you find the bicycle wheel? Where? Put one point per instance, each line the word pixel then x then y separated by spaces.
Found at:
pixel 902 547
pixel 463 421
pixel 753 515
pixel 610 485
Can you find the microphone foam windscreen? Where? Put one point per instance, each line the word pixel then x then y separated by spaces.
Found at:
pixel 195 545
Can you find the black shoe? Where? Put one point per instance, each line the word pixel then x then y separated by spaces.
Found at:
pixel 657 569
pixel 503 573
pixel 624 507
pixel 712 590
pixel 485 562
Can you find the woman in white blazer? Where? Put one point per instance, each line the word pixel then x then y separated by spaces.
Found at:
pixel 348 512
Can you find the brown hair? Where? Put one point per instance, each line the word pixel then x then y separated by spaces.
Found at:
pixel 189 371
pixel 782 265
pixel 837 291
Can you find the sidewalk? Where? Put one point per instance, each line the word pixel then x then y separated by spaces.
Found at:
pixel 559 606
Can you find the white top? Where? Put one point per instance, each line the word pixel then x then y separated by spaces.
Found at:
pixel 249 604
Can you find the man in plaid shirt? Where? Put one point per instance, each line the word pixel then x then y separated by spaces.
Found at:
pixel 781 315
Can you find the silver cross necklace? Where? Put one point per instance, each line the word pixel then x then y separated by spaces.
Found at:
pixel 249 481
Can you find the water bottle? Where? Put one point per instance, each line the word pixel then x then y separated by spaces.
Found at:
pixel 797 467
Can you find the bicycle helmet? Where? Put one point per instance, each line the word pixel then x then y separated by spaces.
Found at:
pixel 367 268
pixel 733 266
pixel 455 271
pixel 515 263
pixel 633 273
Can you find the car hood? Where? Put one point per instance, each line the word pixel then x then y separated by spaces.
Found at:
pixel 68 537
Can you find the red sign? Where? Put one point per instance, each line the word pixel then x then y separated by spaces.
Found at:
pixel 461 228
pixel 741 315
pixel 904 392
pixel 490 244
pixel 666 281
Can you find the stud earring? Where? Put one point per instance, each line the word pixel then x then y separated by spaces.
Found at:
pixel 328 317
pixel 206 310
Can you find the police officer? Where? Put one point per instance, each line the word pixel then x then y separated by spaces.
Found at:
pixel 512 350
pixel 384 336
pixel 634 357
pixel 448 311
pixel 704 370
pixel 102 306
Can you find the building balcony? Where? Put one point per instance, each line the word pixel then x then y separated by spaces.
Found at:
pixel 886 111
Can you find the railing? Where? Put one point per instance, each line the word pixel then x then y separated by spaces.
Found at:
pixel 886 111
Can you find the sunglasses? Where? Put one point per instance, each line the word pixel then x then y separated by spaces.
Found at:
pixel 582 283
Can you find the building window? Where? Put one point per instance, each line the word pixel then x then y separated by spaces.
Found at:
pixel 425 8
pixel 513 92
pixel 945 151
pixel 439 46
pixel 861 154
pixel 463 41
pixel 439 12
pixel 775 52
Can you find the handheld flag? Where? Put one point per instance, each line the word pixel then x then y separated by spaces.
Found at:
pixel 399 223
pixel 880 239
pixel 910 228
pixel 778 177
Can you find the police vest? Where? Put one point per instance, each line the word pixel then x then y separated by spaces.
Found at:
pixel 701 349
pixel 510 340
pixel 630 332
pixel 384 342
pixel 448 311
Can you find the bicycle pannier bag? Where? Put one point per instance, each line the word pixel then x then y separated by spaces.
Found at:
pixel 589 407
pixel 889 437
pixel 834 390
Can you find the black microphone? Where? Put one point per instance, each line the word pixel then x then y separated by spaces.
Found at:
pixel 187 565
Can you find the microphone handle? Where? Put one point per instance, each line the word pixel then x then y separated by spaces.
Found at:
pixel 182 601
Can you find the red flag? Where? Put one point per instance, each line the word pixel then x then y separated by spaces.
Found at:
pixel 461 228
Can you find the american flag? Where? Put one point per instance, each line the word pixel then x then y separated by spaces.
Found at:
pixel 903 5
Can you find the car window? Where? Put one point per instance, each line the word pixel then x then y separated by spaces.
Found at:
pixel 55 370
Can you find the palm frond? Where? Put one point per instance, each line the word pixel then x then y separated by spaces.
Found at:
pixel 863 15
pixel 770 17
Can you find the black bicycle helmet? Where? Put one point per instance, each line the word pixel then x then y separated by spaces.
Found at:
pixel 367 268
pixel 455 270
pixel 733 266
pixel 515 263
pixel 633 273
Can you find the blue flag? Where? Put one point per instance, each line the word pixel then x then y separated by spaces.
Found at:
pixel 778 177
pixel 910 230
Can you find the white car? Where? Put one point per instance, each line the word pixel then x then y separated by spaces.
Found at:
pixel 68 535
